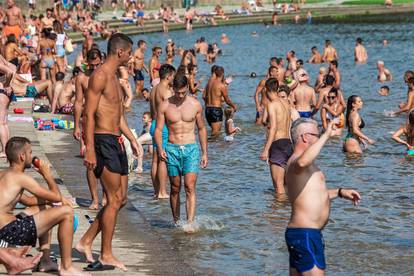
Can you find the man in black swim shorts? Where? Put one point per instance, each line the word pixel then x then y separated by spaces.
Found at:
pixel 215 91
pixel 105 151
pixel 37 220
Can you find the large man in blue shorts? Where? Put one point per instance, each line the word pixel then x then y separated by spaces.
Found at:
pixel 182 114
pixel 310 199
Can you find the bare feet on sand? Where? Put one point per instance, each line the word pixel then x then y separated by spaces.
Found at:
pixel 111 260
pixel 86 250
pixel 94 206
pixel 163 196
pixel 20 263
pixel 73 272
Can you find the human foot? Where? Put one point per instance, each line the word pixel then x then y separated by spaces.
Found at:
pixel 94 206
pixel 86 250
pixel 163 196
pixel 71 271
pixel 46 264
pixel 113 261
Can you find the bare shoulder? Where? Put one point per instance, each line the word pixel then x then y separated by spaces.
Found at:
pixel 195 102
pixel 98 77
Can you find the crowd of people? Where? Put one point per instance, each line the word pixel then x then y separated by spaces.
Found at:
pixel 33 63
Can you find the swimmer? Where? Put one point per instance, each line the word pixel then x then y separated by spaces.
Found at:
pixel 329 53
pixel 404 107
pixel 385 42
pixel 334 71
pixel 333 111
pixel 383 73
pixel 261 93
pixel 254 34
pixel 329 82
pixel 296 19
pixel 310 199
pixel 231 130
pixel 291 58
pixel 360 52
pixel 303 95
pixel 408 131
pixel 316 57
pixel 384 90
pixel 224 39
pixel 278 146
pixel 354 123
pixel 320 78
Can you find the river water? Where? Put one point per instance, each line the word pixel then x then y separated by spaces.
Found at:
pixel 241 222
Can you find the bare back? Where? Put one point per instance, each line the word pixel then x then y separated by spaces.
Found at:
pixel 159 94
pixel 214 93
pixel 280 114
pixel 304 97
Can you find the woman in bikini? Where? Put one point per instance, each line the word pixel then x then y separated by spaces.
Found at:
pixel 46 49
pixel 355 123
pixel 60 46
pixel 155 65
pixel 333 110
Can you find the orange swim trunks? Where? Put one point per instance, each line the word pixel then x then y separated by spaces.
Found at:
pixel 8 30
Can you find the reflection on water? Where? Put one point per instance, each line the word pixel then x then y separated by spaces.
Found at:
pixel 241 222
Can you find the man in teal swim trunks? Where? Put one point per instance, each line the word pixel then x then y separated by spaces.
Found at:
pixel 182 114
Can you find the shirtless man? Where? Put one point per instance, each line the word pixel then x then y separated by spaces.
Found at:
pixel 360 52
pixel 47 21
pixel 281 71
pixel 203 46
pixel 123 75
pixel 87 42
pixel 383 73
pixel 138 65
pixel 304 95
pixel 278 147
pixel 81 86
pixel 63 94
pixel 182 114
pixel 160 93
pixel 215 92
pixel 105 151
pixel 329 53
pixel 291 58
pixel 405 107
pixel 334 71
pixel 24 228
pixel 15 22
pixel 310 199
pixel 260 90
pixel 316 57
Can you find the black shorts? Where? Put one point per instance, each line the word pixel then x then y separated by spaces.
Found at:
pixel 20 232
pixel 110 153
pixel 214 114
pixel 138 76
pixel 280 152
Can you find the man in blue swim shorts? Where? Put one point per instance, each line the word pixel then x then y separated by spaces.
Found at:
pixel 139 66
pixel 182 114
pixel 309 198
pixel 303 95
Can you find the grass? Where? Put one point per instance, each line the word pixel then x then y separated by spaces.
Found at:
pixel 375 2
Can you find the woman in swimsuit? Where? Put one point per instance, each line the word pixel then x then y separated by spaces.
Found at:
pixel 354 122
pixel 60 46
pixel 193 84
pixel 333 110
pixel 46 49
pixel 408 131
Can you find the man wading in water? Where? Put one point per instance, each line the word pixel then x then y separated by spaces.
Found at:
pixel 105 151
pixel 310 199
pixel 181 114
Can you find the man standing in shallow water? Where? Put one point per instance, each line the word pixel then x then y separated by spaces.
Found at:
pixel 105 151
pixel 181 114
pixel 310 199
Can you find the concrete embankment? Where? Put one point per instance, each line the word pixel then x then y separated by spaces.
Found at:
pixel 329 14
pixel 143 252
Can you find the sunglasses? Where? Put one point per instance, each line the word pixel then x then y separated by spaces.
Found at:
pixel 331 97
pixel 159 52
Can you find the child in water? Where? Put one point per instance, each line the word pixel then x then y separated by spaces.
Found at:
pixel 231 130
pixel 408 131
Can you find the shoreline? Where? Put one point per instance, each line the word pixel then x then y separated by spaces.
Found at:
pixel 325 14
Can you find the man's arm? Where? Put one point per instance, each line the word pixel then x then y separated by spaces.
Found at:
pixel 349 194
pixel 318 103
pixel 135 145
pixel 309 155
pixel 271 111
pixel 78 106
pixel 96 87
pixel 158 129
pixel 31 200
pixel 225 94
pixel 202 135
pixel 259 89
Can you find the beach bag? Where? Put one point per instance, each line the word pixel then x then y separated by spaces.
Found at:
pixel 68 46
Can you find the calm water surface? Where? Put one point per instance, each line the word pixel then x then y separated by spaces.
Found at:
pixel 241 222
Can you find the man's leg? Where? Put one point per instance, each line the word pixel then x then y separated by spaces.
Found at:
pixel 315 271
pixel 162 180
pixel 43 85
pixel 115 193
pixel 4 128
pixel 175 182
pixel 93 189
pixel 190 180
pixel 216 128
pixel 154 173
pixel 278 178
